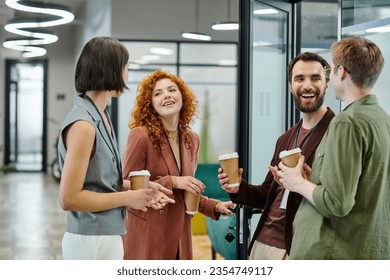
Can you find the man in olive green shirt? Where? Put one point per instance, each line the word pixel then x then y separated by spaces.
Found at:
pixel 346 213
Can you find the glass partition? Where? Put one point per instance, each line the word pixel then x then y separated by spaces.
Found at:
pixel 220 54
pixel 269 87
pixel 267 96
pixel 371 19
pixel 318 31
pixel 210 69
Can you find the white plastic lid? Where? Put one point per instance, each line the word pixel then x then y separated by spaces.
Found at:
pixel 289 152
pixel 139 173
pixel 228 156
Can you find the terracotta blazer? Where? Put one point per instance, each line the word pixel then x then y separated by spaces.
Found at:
pixel 167 233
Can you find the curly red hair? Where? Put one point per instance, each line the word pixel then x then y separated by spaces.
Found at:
pixel 145 115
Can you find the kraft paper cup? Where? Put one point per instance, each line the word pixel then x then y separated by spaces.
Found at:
pixel 290 158
pixel 229 164
pixel 139 179
pixel 192 202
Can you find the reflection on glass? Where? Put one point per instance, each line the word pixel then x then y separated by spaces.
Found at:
pixel 199 53
pixel 361 11
pixel 143 53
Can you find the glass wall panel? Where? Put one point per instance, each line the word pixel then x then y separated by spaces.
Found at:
pixel 362 11
pixel 268 87
pixel 143 53
pixel 371 19
pixel 318 31
pixel 214 86
pixel 216 91
pixel 199 53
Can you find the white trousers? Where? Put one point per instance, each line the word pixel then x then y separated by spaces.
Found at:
pixel 261 251
pixel 92 247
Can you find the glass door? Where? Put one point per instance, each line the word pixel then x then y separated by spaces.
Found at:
pixel 25 115
pixel 266 48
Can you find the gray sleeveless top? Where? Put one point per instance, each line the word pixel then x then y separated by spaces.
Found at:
pixel 104 173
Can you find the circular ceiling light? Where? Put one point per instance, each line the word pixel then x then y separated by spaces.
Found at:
pixel 55 15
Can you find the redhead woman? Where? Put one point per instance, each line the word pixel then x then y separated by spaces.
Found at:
pixel 161 141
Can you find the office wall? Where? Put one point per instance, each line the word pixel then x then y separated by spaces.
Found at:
pixel 2 110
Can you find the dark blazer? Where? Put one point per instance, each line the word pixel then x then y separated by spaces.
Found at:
pixel 262 196
pixel 159 235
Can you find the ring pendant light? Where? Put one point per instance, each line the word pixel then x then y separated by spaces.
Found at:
pixel 31 28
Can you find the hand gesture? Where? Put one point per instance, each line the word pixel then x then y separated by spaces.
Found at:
pixel 191 184
pixel 274 170
pixel 160 196
pixel 224 207
pixel 139 199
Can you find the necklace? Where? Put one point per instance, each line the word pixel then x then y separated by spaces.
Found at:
pixel 172 134
pixel 172 137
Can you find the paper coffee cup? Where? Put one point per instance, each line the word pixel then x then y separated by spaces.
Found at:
pixel 139 179
pixel 192 202
pixel 229 164
pixel 290 158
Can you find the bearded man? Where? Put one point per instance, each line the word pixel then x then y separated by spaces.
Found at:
pixel 308 76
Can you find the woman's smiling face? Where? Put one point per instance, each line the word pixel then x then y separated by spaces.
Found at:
pixel 166 98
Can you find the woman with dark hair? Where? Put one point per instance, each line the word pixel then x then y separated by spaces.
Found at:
pixel 161 141
pixel 91 187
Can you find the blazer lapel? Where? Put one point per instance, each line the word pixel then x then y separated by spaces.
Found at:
pixel 108 139
pixel 186 159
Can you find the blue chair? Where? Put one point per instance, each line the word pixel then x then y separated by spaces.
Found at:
pixel 218 230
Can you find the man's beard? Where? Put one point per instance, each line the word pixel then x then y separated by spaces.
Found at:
pixel 309 108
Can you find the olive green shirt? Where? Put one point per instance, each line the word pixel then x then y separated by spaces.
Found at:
pixel 351 216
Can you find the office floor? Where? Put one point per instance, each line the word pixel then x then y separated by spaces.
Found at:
pixel 32 222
